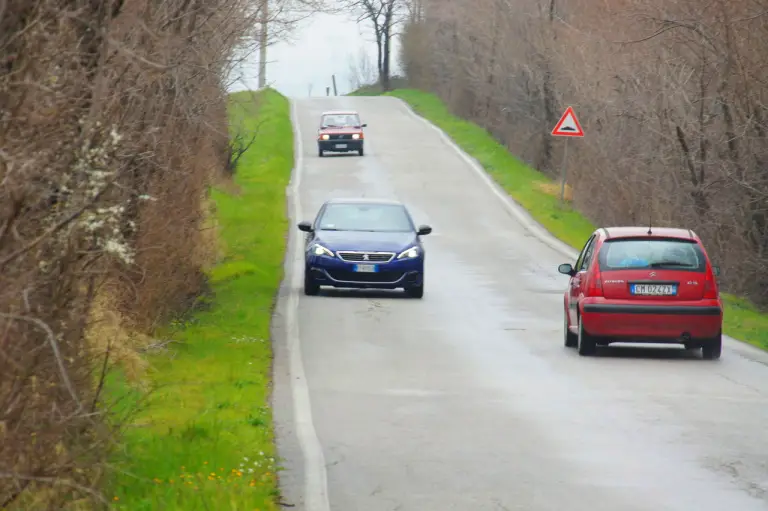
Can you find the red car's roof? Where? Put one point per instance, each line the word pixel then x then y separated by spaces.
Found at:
pixel 340 112
pixel 666 232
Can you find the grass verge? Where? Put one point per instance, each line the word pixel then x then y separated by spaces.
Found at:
pixel 534 191
pixel 204 440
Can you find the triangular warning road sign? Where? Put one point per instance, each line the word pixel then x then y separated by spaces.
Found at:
pixel 568 125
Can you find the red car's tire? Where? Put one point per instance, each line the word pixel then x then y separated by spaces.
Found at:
pixel 586 344
pixel 570 339
pixel 712 349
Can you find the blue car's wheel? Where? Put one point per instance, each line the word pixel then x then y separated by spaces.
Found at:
pixel 311 287
pixel 416 291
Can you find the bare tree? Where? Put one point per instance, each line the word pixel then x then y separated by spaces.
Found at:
pixel 383 15
pixel 361 70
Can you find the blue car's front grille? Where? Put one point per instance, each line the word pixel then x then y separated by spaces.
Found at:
pixel 365 257
pixel 381 277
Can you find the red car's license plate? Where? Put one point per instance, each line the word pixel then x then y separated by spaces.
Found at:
pixel 654 289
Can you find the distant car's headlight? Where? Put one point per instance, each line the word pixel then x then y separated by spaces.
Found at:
pixel 355 136
pixel 411 253
pixel 320 250
pixel 325 137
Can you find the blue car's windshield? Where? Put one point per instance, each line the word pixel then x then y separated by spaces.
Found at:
pixel 365 217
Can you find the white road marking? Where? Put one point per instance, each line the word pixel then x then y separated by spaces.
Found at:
pixel 315 477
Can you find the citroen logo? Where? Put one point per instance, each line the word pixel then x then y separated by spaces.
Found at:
pixel 653 274
pixel 365 257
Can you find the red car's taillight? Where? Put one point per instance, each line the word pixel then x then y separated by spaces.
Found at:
pixel 710 286
pixel 594 284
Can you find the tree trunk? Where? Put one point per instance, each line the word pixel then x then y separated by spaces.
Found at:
pixel 548 97
pixel 385 78
pixel 379 51
pixel 386 57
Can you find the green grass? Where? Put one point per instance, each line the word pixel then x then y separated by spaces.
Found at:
pixel 396 82
pixel 529 188
pixel 210 413
pixel 518 179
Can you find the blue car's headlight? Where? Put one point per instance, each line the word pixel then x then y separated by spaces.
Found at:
pixel 320 250
pixel 411 253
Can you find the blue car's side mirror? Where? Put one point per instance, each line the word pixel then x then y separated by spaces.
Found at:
pixel 305 226
pixel 424 230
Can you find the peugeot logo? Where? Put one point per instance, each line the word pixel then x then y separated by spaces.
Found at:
pixel 653 274
pixel 365 257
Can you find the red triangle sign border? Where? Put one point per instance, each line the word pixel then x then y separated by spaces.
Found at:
pixel 558 132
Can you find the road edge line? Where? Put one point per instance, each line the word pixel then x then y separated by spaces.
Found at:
pixel 315 476
pixel 525 219
pixel 512 207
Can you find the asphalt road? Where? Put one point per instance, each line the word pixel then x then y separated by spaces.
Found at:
pixel 467 399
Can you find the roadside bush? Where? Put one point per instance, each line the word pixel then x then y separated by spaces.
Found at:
pixel 113 123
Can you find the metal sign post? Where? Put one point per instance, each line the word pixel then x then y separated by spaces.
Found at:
pixel 563 172
pixel 568 126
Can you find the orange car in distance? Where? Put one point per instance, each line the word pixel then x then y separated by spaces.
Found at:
pixel 340 131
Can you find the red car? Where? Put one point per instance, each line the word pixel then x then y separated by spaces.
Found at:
pixel 640 284
pixel 340 131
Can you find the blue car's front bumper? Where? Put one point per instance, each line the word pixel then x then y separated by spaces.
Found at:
pixel 332 271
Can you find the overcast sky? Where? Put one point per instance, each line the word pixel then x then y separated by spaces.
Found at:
pixel 322 46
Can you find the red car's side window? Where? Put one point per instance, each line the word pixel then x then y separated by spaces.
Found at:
pixel 589 255
pixel 586 254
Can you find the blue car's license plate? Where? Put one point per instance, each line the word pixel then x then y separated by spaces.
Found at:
pixel 366 268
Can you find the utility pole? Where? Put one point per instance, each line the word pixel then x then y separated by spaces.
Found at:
pixel 335 91
pixel 263 45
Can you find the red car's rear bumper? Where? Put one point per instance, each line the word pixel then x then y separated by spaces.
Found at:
pixel 630 320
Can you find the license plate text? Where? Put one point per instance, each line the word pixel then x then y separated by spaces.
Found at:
pixel 654 289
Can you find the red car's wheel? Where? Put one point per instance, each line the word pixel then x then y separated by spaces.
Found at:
pixel 713 348
pixel 586 343
pixel 571 340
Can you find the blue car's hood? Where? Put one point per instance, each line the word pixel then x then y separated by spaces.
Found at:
pixel 369 241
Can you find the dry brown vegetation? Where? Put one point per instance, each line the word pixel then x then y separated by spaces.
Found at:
pixel 672 95
pixel 113 123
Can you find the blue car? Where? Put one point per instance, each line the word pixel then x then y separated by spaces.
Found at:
pixel 364 243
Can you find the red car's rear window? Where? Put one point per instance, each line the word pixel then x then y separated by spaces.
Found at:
pixel 656 253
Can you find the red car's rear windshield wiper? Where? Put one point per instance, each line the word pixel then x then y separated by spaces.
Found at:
pixel 668 263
